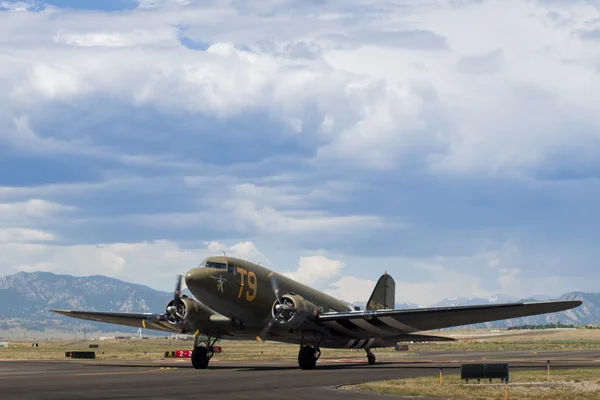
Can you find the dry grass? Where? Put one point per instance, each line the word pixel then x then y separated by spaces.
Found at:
pixel 154 349
pixel 524 345
pixel 526 385
pixel 518 335
pixel 504 340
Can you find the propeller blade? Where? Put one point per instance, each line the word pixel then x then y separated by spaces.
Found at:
pixel 263 333
pixel 278 308
pixel 275 286
pixel 178 287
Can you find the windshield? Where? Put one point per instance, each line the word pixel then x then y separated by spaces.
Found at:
pixel 212 264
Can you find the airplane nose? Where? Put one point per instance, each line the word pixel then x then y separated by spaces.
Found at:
pixel 194 276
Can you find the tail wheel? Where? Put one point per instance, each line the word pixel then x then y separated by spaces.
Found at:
pixel 200 357
pixel 371 358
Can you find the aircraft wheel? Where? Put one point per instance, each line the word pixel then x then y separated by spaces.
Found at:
pixel 200 358
pixel 306 357
pixel 371 358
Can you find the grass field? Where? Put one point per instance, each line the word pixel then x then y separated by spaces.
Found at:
pixel 136 349
pixel 578 384
pixel 154 349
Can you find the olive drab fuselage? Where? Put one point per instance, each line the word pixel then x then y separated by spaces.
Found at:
pixel 242 291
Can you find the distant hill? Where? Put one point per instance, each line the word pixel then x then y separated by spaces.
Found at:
pixel 25 299
pixel 460 301
pixel 363 304
pixel 587 314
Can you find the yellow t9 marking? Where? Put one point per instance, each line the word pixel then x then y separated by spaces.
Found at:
pixel 252 283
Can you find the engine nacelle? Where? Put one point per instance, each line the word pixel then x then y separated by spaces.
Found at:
pixel 186 313
pixel 294 311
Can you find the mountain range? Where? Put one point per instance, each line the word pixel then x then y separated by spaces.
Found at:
pixel 25 299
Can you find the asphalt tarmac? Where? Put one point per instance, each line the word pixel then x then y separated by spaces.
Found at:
pixel 99 379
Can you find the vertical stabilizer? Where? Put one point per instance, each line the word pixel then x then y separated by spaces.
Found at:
pixel 384 294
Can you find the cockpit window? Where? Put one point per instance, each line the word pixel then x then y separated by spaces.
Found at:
pixel 212 264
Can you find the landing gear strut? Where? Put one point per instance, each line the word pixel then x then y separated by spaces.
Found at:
pixel 370 357
pixel 201 355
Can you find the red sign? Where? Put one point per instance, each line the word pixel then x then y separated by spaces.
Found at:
pixel 401 347
pixel 183 353
pixel 188 353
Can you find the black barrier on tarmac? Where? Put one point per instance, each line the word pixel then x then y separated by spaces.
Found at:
pixel 484 371
pixel 472 371
pixel 93 346
pixel 81 354
pixel 496 371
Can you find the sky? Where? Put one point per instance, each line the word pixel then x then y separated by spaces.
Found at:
pixel 454 144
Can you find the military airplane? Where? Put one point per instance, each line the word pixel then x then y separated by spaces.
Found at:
pixel 241 300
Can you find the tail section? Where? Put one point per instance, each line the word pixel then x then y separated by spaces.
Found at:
pixel 384 294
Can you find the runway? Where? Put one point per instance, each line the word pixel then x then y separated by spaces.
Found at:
pixel 75 379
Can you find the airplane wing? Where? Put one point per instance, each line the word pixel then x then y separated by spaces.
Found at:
pixel 214 324
pixel 138 320
pixel 390 322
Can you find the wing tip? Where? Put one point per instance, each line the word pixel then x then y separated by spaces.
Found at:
pixel 561 305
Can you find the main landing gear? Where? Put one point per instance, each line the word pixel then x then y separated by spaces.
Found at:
pixel 201 355
pixel 308 356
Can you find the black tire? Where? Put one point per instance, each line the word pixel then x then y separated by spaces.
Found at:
pixel 371 358
pixel 200 358
pixel 306 357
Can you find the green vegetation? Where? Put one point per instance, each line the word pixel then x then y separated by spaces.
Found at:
pixel 581 384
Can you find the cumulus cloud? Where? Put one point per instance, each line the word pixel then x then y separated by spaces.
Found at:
pixel 30 210
pixel 24 235
pixel 154 263
pixel 163 36
pixel 316 269
pixel 351 289
pixel 294 121
pixel 430 108
pixel 245 250
pixel 16 5
pixel 250 208
pixel 422 288
pixel 149 4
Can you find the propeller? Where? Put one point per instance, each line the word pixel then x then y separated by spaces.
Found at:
pixel 280 308
pixel 176 310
